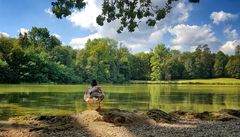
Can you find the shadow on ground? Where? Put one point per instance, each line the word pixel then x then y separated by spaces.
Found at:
pixel 121 123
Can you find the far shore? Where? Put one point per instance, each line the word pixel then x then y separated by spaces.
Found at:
pixel 212 81
pixel 215 81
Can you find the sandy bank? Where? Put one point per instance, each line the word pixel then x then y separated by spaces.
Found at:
pixel 121 123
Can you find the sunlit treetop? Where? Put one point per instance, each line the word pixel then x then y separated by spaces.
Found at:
pixel 129 12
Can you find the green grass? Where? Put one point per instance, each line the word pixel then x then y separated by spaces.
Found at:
pixel 216 81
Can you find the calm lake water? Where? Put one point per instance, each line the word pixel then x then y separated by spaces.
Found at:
pixel 68 99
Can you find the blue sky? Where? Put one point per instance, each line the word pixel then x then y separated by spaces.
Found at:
pixel 213 22
pixel 201 12
pixel 16 14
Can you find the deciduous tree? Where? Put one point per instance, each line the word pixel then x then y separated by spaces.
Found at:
pixel 129 12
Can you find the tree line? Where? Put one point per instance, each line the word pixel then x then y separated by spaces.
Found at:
pixel 38 57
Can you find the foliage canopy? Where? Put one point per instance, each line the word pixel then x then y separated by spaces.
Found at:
pixel 34 58
pixel 129 12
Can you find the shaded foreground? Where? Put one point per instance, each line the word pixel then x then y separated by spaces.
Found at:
pixel 115 122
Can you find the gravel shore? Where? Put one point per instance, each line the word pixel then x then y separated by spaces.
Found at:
pixel 118 123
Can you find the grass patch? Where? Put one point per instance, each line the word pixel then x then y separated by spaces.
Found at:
pixel 215 81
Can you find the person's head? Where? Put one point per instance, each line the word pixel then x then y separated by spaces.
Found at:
pixel 94 83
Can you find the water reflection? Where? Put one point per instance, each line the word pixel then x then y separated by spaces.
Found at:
pixel 194 98
pixel 67 99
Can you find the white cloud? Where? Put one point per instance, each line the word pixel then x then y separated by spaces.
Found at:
pixel 4 34
pixel 188 37
pixel 157 35
pixel 79 43
pixel 183 9
pixel 86 18
pixel 48 11
pixel 231 33
pixel 23 31
pixel 56 35
pixel 143 39
pixel 222 16
pixel 229 47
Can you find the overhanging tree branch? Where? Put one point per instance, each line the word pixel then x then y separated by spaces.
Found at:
pixel 129 12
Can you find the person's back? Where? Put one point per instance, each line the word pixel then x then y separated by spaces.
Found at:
pixel 94 94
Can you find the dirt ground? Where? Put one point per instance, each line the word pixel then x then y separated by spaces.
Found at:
pixel 120 123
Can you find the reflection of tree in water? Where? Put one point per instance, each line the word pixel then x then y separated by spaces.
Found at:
pixel 128 97
pixel 19 103
pixel 38 99
pixel 219 99
pixel 128 100
pixel 164 97
pixel 233 100
pixel 191 98
pixel 201 98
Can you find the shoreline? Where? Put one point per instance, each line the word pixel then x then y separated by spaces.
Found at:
pixel 211 81
pixel 215 81
pixel 116 122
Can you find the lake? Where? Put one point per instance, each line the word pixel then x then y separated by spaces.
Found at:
pixel 68 99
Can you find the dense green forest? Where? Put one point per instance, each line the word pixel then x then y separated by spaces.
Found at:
pixel 38 57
